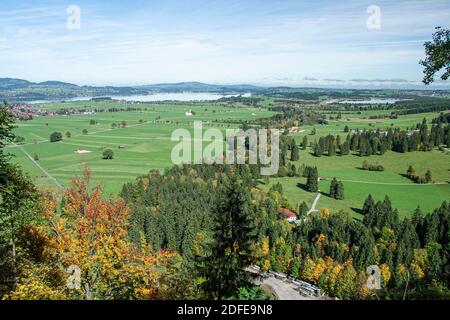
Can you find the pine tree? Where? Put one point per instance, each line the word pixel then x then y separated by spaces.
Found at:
pixel 368 204
pixel 312 182
pixel 304 142
pixel 345 148
pixel 428 177
pixel 411 172
pixel 331 149
pixel 304 209
pixel 294 152
pixel 234 237
pixel 333 186
pixel 339 191
pixel 317 150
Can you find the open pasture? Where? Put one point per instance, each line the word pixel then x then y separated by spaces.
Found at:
pixel 146 142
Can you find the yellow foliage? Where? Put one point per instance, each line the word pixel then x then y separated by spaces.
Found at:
pixel 265 247
pixel 92 235
pixel 385 273
pixel 266 265
pixel 418 270
pixel 420 261
pixel 325 213
pixel 320 239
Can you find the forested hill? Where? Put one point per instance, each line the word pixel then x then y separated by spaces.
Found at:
pixel 19 90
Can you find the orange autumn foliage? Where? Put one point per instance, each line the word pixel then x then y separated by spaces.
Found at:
pixel 90 234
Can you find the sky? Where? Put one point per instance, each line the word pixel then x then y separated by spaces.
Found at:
pixel 264 42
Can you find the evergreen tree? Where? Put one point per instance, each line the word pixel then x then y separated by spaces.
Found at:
pixel 234 237
pixel 312 183
pixel 317 150
pixel 17 204
pixel 304 209
pixel 304 142
pixel 339 191
pixel 331 149
pixel 294 152
pixel 333 188
pixel 428 177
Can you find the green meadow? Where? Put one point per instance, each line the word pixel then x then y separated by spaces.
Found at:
pixel 147 145
pixel 404 194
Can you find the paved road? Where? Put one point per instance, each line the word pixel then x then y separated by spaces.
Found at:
pixel 283 290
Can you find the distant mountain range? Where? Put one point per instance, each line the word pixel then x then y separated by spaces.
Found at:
pixel 17 90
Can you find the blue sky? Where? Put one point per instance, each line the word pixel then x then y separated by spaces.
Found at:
pixel 269 42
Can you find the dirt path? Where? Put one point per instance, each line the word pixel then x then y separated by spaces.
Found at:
pixel 314 205
pixel 40 167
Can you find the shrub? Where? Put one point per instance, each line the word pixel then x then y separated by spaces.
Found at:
pixel 108 154
pixel 56 136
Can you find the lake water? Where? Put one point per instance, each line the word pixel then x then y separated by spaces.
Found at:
pixel 182 96
pixel 371 101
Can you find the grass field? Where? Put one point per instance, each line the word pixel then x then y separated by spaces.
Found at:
pixel 404 194
pixel 148 146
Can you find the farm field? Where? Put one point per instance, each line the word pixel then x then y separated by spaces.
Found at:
pixel 357 121
pixel 404 194
pixel 147 145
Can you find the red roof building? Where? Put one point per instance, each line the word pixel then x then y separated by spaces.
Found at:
pixel 291 216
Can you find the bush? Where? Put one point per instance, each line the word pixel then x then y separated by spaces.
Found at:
pixel 85 131
pixel 56 136
pixel 372 167
pixel 108 154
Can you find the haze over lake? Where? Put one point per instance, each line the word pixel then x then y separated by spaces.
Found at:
pixel 180 96
pixel 371 101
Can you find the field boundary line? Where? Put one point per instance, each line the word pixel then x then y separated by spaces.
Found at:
pixel 40 167
pixel 396 184
pixel 81 135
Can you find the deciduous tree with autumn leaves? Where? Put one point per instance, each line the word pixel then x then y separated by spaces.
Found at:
pixel 89 234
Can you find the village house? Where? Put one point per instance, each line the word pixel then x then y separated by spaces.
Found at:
pixel 291 216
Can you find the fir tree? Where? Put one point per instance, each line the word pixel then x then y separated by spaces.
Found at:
pixel 312 183
pixel 294 152
pixel 234 237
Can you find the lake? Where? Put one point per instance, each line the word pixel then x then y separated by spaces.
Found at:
pixel 371 101
pixel 182 96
